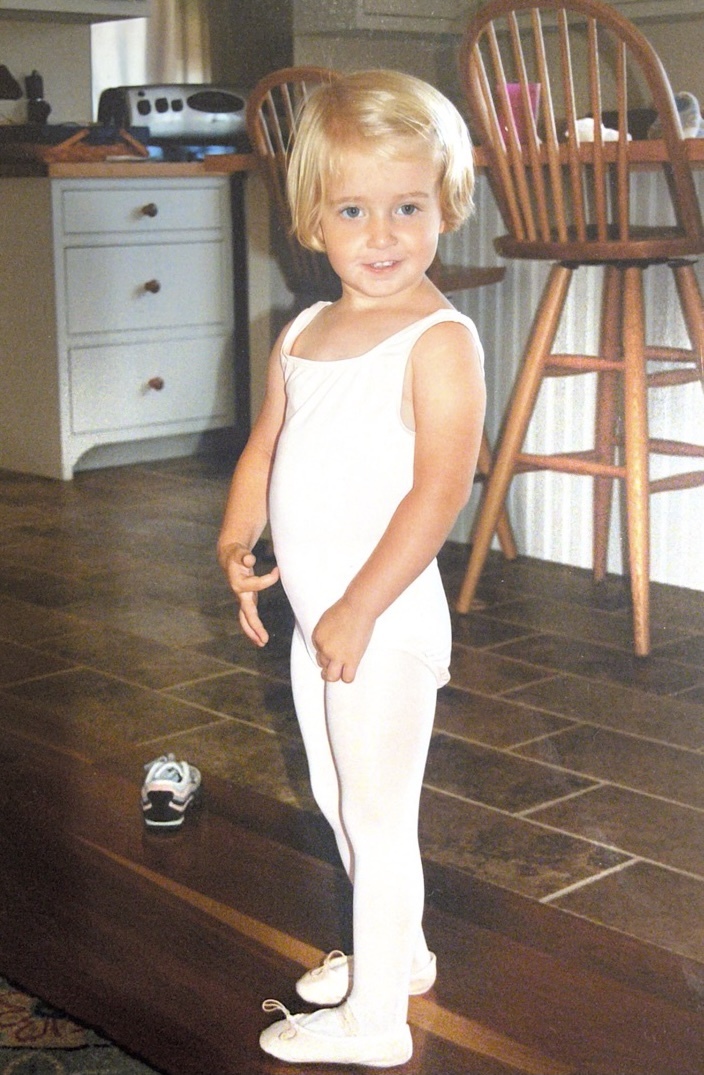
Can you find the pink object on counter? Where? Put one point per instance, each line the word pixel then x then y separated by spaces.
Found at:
pixel 515 101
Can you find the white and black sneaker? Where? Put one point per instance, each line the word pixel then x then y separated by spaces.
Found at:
pixel 169 788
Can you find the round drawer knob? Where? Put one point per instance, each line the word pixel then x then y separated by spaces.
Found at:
pixel 157 383
pixel 153 287
pixel 150 209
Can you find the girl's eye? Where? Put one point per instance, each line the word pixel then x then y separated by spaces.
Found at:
pixel 408 210
pixel 351 212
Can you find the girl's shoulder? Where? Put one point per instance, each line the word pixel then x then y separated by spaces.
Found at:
pixel 400 340
pixel 442 316
pixel 299 323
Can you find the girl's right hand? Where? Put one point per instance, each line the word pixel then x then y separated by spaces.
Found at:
pixel 237 561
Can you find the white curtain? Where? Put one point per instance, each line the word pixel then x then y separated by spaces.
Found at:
pixel 178 42
pixel 172 45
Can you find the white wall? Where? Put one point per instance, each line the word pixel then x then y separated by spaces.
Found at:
pixel 60 52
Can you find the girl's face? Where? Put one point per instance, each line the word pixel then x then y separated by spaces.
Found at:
pixel 381 219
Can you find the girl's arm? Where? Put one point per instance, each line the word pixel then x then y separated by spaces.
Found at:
pixel 449 400
pixel 246 509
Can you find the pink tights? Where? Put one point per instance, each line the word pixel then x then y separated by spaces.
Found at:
pixel 367 744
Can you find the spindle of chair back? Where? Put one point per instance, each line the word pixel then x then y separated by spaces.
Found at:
pixel 273 110
pixel 560 197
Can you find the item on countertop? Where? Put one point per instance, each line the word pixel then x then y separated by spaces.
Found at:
pixel 38 110
pixel 517 116
pixel 690 117
pixel 55 142
pixel 586 131
pixel 10 89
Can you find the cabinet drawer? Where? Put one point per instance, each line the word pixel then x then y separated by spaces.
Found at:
pixel 111 288
pixel 131 386
pixel 141 209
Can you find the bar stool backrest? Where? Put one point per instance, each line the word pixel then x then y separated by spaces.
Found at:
pixel 273 110
pixel 533 71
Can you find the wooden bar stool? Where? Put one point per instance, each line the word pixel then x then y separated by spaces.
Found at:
pixel 531 69
pixel 273 108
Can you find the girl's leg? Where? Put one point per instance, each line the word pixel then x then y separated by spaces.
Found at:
pixel 309 699
pixel 379 727
pixel 309 692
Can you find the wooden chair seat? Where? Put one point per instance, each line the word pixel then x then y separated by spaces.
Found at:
pixel 651 246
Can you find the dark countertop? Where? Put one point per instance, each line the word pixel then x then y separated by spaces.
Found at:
pixel 218 164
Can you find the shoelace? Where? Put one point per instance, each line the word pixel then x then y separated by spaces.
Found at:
pixel 324 967
pixel 277 1006
pixel 166 766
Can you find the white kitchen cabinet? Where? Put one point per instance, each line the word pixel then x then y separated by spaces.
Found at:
pixel 74 10
pixel 116 307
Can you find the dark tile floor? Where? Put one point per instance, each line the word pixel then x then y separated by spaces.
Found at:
pixel 562 767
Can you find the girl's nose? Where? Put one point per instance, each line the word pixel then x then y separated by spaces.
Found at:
pixel 380 232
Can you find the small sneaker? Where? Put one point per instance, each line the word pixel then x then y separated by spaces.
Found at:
pixel 169 788
pixel 331 981
pixel 332 1037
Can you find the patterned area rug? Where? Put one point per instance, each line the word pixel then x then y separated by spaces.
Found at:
pixel 35 1039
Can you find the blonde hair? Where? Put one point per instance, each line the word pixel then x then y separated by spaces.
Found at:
pixel 396 115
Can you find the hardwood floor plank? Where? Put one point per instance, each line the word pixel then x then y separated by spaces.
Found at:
pixel 424 1013
pixel 168 946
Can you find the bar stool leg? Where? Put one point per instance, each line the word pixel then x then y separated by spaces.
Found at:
pixel 692 305
pixel 520 410
pixel 636 454
pixel 504 530
pixel 607 396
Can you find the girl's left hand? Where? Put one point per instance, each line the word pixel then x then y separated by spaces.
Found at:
pixel 340 639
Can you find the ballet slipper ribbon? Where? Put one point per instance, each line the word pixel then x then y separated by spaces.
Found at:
pixel 277 1006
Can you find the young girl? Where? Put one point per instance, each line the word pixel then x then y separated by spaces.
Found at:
pixel 361 458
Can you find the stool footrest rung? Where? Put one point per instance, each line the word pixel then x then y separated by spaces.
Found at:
pixel 676 447
pixel 569 463
pixel 581 364
pixel 667 378
pixel 690 480
pixel 655 353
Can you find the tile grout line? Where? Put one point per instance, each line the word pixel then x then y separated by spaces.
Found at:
pixel 228 669
pixel 569 889
pixel 224 719
pixel 517 817
pixel 581 837
pixel 584 723
pixel 526 814
pixel 613 783
pixel 596 781
pixel 512 693
pixel 574 720
pixel 658 863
